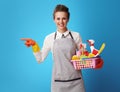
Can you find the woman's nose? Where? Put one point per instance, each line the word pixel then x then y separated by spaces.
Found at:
pixel 61 21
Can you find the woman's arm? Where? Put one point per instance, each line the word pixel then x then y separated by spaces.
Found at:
pixel 78 40
pixel 40 55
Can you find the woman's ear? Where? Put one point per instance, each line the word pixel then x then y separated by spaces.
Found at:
pixel 54 20
pixel 68 21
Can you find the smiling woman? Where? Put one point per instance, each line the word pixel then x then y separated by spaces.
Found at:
pixel 97 19
pixel 65 78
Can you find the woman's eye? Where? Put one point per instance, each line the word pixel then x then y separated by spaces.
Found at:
pixel 64 18
pixel 58 18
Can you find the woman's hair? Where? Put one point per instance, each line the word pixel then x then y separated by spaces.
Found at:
pixel 61 8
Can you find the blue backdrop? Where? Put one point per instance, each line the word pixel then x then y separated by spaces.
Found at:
pixel 97 19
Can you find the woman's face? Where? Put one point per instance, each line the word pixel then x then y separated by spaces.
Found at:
pixel 61 20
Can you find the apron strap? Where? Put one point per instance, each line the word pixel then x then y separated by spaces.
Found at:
pixel 71 35
pixel 56 35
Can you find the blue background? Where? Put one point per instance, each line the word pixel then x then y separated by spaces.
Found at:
pixel 97 19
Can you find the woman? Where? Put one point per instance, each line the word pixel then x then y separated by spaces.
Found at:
pixel 63 44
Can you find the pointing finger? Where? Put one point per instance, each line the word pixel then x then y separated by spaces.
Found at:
pixel 25 39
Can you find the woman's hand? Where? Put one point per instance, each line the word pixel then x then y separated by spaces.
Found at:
pixel 28 42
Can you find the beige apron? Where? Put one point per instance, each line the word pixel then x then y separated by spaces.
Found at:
pixel 65 78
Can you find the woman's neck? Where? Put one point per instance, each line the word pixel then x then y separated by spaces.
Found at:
pixel 62 31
